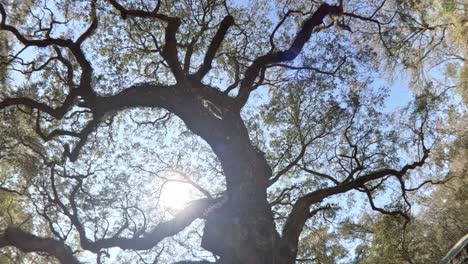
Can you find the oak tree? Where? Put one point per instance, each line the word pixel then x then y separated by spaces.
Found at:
pixel 275 114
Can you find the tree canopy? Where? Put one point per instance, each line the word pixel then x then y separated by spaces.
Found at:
pixel 222 131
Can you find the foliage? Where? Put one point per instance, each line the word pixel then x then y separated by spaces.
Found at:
pixel 439 224
pixel 276 124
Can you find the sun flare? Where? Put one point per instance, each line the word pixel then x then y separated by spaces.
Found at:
pixel 176 195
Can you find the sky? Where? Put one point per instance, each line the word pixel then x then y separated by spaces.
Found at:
pixel 400 95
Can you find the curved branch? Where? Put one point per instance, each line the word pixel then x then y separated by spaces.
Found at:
pixel 92 27
pixel 57 113
pixel 299 214
pixel 382 210
pixel 166 229
pixel 197 209
pixel 85 90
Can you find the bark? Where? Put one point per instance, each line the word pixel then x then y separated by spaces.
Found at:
pixel 239 228
pixel 31 243
pixel 242 229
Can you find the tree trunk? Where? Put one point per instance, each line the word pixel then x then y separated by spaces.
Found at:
pixel 242 230
pixel 239 229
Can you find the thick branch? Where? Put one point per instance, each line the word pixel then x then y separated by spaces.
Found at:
pixel 30 243
pixel 197 209
pixel 300 212
pixel 92 28
pixel 57 113
pixel 166 229
pixel 286 55
pixel 87 71
pixel 140 13
pixel 169 51
pixel 214 47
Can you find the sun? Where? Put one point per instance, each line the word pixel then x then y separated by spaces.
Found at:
pixel 175 195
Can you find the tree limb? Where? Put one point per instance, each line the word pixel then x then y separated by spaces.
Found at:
pixel 299 214
pixel 30 243
pixel 289 54
pixel 226 23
